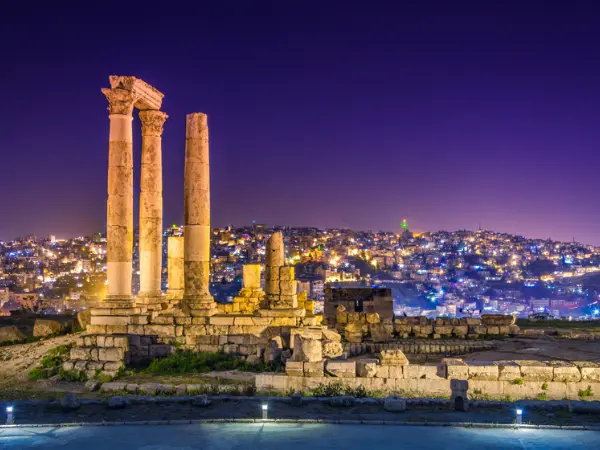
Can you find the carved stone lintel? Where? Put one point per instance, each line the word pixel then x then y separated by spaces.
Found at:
pixel 120 101
pixel 152 122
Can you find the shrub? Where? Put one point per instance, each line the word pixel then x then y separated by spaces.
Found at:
pixel 544 386
pixel 584 393
pixel 518 381
pixel 542 396
pixel 50 363
pixel 182 362
pixel 72 375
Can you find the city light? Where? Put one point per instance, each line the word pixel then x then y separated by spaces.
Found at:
pixel 265 408
pixel 519 416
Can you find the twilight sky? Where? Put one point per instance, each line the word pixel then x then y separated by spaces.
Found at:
pixel 330 113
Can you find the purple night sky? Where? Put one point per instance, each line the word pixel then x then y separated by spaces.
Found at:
pixel 355 114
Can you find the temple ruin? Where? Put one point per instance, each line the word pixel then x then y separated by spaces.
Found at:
pixel 277 324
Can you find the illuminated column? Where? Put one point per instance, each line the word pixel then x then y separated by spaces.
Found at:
pixel 151 207
pixel 175 257
pixel 119 220
pixel 197 297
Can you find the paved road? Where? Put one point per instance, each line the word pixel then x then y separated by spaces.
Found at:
pixel 291 437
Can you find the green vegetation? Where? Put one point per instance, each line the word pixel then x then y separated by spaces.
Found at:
pixel 585 393
pixel 542 396
pixel 72 375
pixel 51 363
pixel 518 381
pixel 544 386
pixel 337 389
pixel 182 362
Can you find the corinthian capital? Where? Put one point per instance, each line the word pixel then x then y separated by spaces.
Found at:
pixel 120 101
pixel 152 122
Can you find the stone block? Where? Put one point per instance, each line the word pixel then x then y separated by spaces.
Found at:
pixel 313 369
pixel 589 371
pixel 483 370
pixel 454 368
pixel 535 370
pixel 341 368
pixel 396 372
pixel 43 327
pixel 113 387
pixel 307 350
pixel 426 371
pixel 393 357
pixel 294 368
pixel 367 368
pixel 80 353
pixel 394 404
pixel 111 354
pixel 493 330
pixel 565 372
pixel 117 329
pixel 159 351
pixel 383 372
pixel 508 370
pixel 221 321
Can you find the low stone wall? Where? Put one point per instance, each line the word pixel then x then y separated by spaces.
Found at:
pixel 420 347
pixel 523 379
pixel 463 328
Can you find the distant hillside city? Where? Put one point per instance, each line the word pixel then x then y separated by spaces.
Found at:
pixel 448 274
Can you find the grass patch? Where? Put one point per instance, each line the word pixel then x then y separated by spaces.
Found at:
pixel 585 393
pixel 518 381
pixel 51 363
pixel 542 396
pixel 183 362
pixel 544 386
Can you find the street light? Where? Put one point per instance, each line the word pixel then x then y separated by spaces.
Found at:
pixel 10 419
pixel 519 416
pixel 265 408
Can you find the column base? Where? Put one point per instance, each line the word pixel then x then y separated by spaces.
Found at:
pixel 199 306
pixel 153 301
pixel 117 301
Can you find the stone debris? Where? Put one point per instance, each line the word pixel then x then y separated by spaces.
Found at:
pixel 394 404
pixel 70 402
pixel 393 357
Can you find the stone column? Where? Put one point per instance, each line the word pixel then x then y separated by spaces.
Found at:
pixel 119 221
pixel 175 266
pixel 275 259
pixel 197 297
pixel 151 208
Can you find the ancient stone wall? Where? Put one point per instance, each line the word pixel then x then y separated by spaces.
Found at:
pixel 365 300
pixel 552 380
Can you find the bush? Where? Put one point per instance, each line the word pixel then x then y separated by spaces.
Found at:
pixel 182 362
pixel 50 363
pixel 518 381
pixel 584 393
pixel 72 375
pixel 542 396
pixel 544 386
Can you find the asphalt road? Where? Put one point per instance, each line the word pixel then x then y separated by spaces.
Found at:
pixel 291 437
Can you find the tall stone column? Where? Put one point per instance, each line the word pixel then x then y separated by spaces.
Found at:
pixel 175 267
pixel 119 221
pixel 151 208
pixel 197 298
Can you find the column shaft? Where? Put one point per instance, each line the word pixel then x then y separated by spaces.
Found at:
pixel 151 203
pixel 119 220
pixel 175 254
pixel 197 214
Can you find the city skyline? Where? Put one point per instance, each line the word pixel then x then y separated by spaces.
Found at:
pixel 325 118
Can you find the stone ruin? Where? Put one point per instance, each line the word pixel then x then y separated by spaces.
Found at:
pixel 125 329
pixel 277 324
